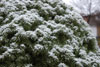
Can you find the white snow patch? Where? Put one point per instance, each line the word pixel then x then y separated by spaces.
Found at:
pixel 38 47
pixel 62 65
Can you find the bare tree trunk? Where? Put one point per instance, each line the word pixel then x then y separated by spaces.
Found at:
pixel 89 9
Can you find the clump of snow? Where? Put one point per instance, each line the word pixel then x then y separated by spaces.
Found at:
pixel 38 47
pixel 28 65
pixel 62 65
pixel 45 33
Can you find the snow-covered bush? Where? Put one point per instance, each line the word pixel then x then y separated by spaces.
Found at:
pixel 45 33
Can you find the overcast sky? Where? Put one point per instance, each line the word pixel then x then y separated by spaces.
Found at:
pixel 66 1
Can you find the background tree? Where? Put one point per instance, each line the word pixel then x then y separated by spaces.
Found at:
pixel 86 7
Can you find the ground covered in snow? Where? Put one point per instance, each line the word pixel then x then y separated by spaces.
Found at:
pixel 45 33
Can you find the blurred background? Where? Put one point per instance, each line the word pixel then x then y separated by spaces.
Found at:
pixel 90 11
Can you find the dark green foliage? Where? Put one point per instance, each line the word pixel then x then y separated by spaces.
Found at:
pixel 45 33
